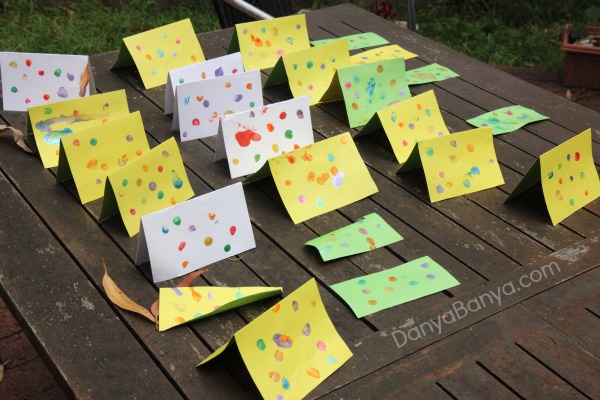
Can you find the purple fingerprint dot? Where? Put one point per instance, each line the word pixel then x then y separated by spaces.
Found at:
pixel 237 97
pixel 205 103
pixel 439 189
pixel 430 276
pixel 411 126
pixel 70 77
pixel 425 265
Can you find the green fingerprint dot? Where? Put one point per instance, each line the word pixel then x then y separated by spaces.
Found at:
pixel 227 247
pixel 177 221
pixel 125 182
pixel 289 134
pixel 93 141
pixel 14 89
pixel 256 157
pixel 57 72
pixel 160 194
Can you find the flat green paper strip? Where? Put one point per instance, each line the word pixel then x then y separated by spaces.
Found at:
pixel 357 41
pixel 429 73
pixel 507 119
pixel 368 234
pixel 375 292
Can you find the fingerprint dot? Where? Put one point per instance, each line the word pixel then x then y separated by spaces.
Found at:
pixel 227 248
pixel 208 241
pixel 177 221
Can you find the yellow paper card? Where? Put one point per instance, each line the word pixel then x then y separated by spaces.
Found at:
pixel 381 53
pixel 262 43
pixel 322 177
pixel 157 51
pixel 457 164
pixel 154 181
pixel 52 121
pixel 311 71
pixel 569 177
pixel 293 347
pixel 94 153
pixel 412 120
pixel 180 305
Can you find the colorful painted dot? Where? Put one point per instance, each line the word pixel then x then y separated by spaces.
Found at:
pixel 425 265
pixel 208 241
pixel 392 279
pixel 330 360
pixel 152 186
pixel 165 230
pixel 320 202
pixel 577 156
pixel 467 183
pixel 302 199
pixel 429 151
pixel 430 276
pixel 261 344
pixel 160 194
pixel 177 221
pixel 550 175
pixel 439 189
pixel 362 282
pixel 413 283
pixel 321 345
pixel 14 89
pixel 132 211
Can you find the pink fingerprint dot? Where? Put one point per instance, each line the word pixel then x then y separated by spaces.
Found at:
pixel 442 174
pixel 302 199
pixel 178 41
pixel 195 122
pixel 348 85
pixel 363 231
pixel 310 87
pixel 132 211
pixel 404 143
pixel 280 53
pixel 138 47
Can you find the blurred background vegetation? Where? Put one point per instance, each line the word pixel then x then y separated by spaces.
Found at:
pixel 498 32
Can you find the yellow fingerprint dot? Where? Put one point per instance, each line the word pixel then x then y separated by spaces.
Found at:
pixel 275 148
pixel 470 148
pixel 288 182
pixel 393 83
pixel 449 184
pixel 235 161
pixel 208 241
pixel 354 106
pixel 372 302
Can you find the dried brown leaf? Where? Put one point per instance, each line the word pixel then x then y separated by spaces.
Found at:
pixel 120 299
pixel 2 370
pixel 17 136
pixel 186 281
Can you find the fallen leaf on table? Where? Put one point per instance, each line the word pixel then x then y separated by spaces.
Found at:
pixel 17 136
pixel 120 299
pixel 186 281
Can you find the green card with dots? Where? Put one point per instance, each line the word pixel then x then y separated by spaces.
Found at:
pixel 410 281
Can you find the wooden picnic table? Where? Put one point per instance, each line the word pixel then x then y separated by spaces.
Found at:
pixel 538 340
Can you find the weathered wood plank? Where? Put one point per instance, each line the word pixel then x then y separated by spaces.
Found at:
pixel 473 382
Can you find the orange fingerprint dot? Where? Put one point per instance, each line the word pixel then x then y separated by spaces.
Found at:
pixel 354 106
pixel 334 170
pixel 401 124
pixel 299 83
pixel 145 168
pixel 249 86
pixel 104 120
pixel 172 201
pixel 104 167
pixel 291 159
pixel 203 75
pixel 276 307
pixel 388 289
pixel 185 264
pixel 313 372
pixel 586 193
pixel 344 139
pixel 258 42
pixel 148 57
pixel 393 83
pixel 92 164
pixel 268 43
pixel 57 151
pixel 75 113
pixel 380 68
pixel 419 107
pixel 296 146
pixel 270 127
pixel 470 148
pixel 311 177
pixel 371 243
pixel 288 182
pixel 228 85
pixel 180 320
pixel 449 184
pixel 307 156
pixel 195 295
pixel 372 302
pixel 313 303
pixel 392 279
pixel 138 152
pixel 193 57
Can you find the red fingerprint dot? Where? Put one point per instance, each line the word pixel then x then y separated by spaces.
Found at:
pixel 28 63
pixel 181 246
pixel 282 115
pixel 577 156
pixel 132 211
pixel 195 122
pixel 232 230
pixel 46 97
pixel 41 72
pixel 160 168
pixel 270 127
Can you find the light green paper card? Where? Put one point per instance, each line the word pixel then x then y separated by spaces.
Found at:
pixel 375 292
pixel 507 119
pixel 429 73
pixel 358 41
pixel 367 234
pixel 368 88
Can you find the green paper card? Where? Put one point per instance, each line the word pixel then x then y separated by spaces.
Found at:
pixel 507 119
pixel 407 282
pixel 429 73
pixel 358 41
pixel 368 234
pixel 368 88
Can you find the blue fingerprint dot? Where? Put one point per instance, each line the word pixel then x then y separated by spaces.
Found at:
pixel 330 157
pixel 165 229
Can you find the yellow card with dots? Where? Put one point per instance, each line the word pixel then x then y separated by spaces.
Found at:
pixel 292 347
pixel 94 153
pixel 412 120
pixel 569 176
pixel 157 51
pixel 52 121
pixel 381 53
pixel 154 181
pixel 262 43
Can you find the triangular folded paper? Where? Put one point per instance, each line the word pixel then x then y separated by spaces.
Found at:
pixel 381 53
pixel 568 175
pixel 153 181
pixel 248 138
pixel 198 105
pixel 262 43
pixel 180 305
pixel 159 50
pixel 195 233
pixel 507 119
pixel 319 178
pixel 408 122
pixel 52 121
pixel 33 79
pixel 91 155
pixel 410 281
pixel 429 73
pixel 311 71
pixel 221 66
pixel 291 348
pixel 367 234
pixel 356 41
pixel 368 88
pixel 457 164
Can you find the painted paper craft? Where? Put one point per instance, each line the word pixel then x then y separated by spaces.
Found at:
pixel 367 234
pixel 408 122
pixel 221 66
pixel 357 41
pixel 33 79
pixel 153 181
pixel 368 88
pixel 249 138
pixel 507 119
pixel 382 53
pixel 291 348
pixel 457 164
pixel 568 175
pixel 180 305
pixel 407 282
pixel 51 122
pixel 311 71
pixel 94 153
pixel 157 51
pixel 262 43
pixel 429 73
pixel 198 105
pixel 193 234
pixel 319 178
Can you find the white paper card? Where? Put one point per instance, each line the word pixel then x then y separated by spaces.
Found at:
pixel 251 137
pixel 198 105
pixel 34 79
pixel 193 234
pixel 221 66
